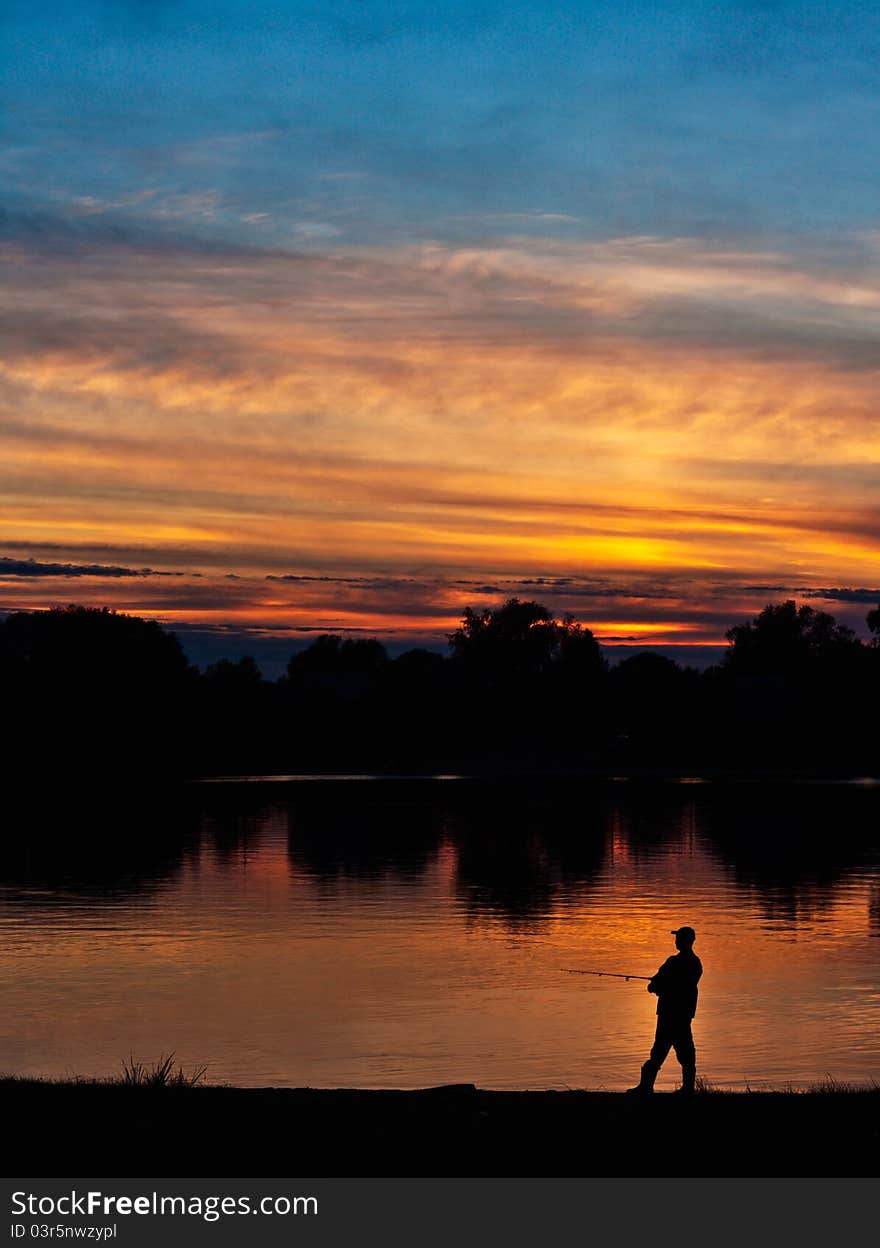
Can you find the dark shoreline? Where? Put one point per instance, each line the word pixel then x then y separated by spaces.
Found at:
pixel 60 1128
pixel 630 776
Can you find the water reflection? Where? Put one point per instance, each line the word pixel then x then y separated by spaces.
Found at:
pixel 874 910
pixel 363 831
pixel 518 854
pixel 104 846
pixel 233 826
pixel 396 934
pixel 795 847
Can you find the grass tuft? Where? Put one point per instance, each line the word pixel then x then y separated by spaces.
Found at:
pixel 166 1073
pixel 829 1086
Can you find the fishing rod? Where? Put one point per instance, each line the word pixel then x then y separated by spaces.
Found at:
pixel 605 974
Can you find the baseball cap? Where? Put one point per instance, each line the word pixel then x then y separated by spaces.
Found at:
pixel 687 932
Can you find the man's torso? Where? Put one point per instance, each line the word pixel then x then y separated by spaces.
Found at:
pixel 677 982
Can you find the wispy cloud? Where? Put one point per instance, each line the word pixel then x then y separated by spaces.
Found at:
pixel 384 431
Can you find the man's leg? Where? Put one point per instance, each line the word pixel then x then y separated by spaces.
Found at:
pixel 683 1042
pixel 659 1052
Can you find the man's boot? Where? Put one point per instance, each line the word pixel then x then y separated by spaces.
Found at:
pixel 645 1086
pixel 688 1081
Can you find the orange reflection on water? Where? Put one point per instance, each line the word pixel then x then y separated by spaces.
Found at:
pixel 390 942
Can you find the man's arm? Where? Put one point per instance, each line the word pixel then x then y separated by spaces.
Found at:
pixel 655 984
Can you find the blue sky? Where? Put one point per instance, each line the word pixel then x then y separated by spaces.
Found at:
pixel 381 121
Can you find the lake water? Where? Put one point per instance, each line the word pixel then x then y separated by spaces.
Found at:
pixel 403 934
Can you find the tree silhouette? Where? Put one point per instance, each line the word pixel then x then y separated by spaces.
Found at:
pixel 90 689
pixel 331 655
pixel 786 640
pixel 78 647
pixel 234 679
pixel 655 707
pixel 516 639
pixel 529 685
pixel 522 639
pixel 873 622
pixel 792 691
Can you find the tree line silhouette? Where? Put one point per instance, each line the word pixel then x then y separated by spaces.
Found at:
pixel 92 692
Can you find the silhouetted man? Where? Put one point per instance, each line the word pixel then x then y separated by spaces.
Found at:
pixel 676 987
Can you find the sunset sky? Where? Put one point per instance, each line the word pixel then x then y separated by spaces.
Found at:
pixel 343 316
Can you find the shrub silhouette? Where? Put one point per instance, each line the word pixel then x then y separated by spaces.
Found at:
pixel 93 690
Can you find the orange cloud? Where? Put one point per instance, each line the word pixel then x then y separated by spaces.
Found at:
pixel 623 409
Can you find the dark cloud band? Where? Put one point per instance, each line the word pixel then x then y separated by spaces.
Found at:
pixel 34 568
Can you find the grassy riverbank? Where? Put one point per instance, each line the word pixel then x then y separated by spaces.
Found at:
pixel 115 1129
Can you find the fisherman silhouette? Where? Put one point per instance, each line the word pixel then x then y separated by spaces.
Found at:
pixel 676 987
